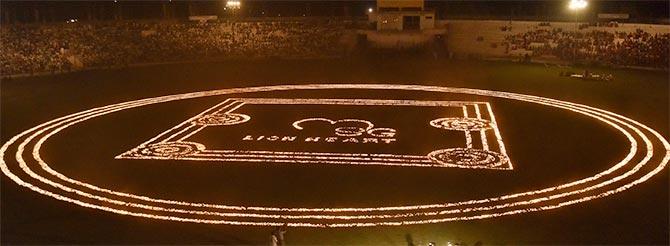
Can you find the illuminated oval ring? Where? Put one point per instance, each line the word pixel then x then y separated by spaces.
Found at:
pixel 340 217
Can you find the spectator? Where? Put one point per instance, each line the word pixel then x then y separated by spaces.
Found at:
pixel 607 48
pixel 58 47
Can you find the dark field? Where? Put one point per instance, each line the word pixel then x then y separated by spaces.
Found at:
pixel 547 147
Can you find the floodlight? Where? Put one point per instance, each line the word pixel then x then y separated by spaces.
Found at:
pixel 577 4
pixel 233 4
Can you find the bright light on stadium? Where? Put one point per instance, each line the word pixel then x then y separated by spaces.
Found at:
pixel 577 4
pixel 233 4
pixel 369 10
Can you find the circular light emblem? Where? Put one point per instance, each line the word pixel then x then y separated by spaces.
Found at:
pixel 468 158
pixel 461 124
pixel 173 149
pixel 219 119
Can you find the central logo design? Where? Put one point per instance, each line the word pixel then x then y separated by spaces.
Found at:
pixel 251 130
pixel 350 127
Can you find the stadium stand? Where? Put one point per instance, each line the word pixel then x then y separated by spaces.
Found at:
pixel 638 48
pixel 31 49
pixel 611 45
pixel 50 48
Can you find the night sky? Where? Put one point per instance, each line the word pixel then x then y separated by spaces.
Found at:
pixel 25 11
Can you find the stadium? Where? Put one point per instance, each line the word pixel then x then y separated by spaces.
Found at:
pixel 335 122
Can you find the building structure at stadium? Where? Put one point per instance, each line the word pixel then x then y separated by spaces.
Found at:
pixel 74 45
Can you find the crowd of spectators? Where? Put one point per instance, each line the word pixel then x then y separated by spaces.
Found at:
pixel 637 48
pixel 28 49
pixel 60 47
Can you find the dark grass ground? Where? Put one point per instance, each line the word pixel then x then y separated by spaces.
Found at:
pixel 637 216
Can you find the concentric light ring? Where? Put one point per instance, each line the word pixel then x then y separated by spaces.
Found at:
pixel 122 203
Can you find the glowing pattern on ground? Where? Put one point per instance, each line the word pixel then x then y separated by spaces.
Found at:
pixel 222 115
pixel 649 154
